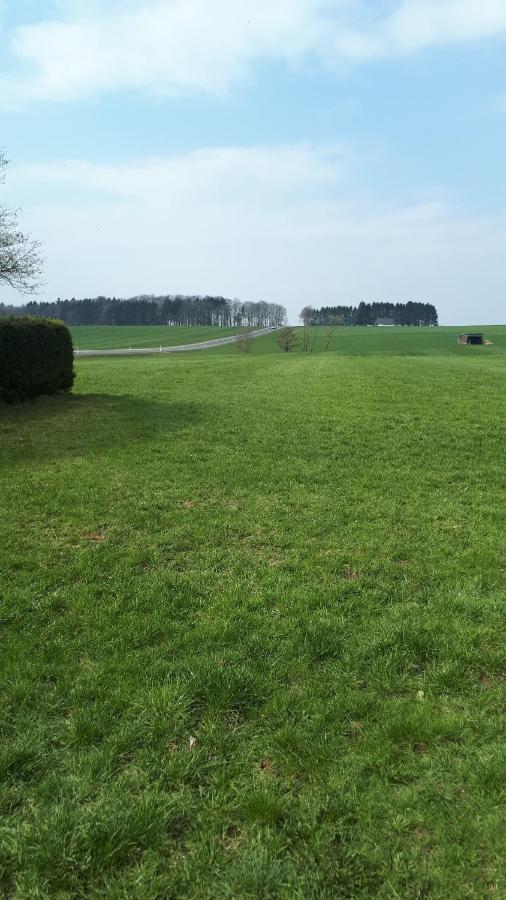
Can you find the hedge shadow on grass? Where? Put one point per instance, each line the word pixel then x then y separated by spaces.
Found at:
pixel 75 425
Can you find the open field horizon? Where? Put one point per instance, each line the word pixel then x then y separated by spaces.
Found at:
pixel 252 624
pixel 355 340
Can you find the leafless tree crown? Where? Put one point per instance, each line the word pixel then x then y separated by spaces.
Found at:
pixel 287 339
pixel 20 259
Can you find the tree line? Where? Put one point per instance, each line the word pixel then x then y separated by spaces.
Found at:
pixel 410 313
pixel 155 310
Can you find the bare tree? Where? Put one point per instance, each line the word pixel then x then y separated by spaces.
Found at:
pixel 287 339
pixel 244 340
pixel 306 317
pixel 20 259
pixel 329 331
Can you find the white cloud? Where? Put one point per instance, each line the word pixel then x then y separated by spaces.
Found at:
pixel 164 46
pixel 415 25
pixel 274 223
pixel 173 45
pixel 220 172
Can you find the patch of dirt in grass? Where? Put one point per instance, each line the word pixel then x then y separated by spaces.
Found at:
pixel 96 537
pixel 234 838
pixel 266 767
pixel 350 574
pixel 354 729
pixel 420 748
pixel 233 720
pixel 86 663
pixel 275 562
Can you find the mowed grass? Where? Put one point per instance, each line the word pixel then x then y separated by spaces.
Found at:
pixel 253 628
pixel 100 337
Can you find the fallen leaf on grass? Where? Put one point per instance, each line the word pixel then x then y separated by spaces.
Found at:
pixel 420 748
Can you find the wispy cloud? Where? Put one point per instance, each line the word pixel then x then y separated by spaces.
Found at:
pixel 208 172
pixel 173 45
pixel 499 103
pixel 416 25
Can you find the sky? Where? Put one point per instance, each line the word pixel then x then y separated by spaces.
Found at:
pixel 302 152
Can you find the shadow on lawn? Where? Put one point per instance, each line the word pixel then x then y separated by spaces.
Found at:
pixel 83 424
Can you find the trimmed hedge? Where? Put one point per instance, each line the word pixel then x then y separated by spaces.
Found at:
pixel 36 357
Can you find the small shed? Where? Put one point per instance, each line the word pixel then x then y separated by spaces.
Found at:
pixel 471 338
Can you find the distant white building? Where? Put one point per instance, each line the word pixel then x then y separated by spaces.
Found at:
pixel 385 322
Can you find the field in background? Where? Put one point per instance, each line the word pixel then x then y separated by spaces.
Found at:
pixel 252 625
pixel 361 341
pixel 349 341
pixel 440 341
pixel 101 337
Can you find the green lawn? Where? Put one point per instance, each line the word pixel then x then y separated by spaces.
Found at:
pixel 100 337
pixel 252 625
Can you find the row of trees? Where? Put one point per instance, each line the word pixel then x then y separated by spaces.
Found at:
pixel 368 314
pixel 152 310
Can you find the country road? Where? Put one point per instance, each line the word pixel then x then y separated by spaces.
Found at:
pixel 178 348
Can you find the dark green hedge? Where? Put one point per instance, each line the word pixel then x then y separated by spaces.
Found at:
pixel 36 357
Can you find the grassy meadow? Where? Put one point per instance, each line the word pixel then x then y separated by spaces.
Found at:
pixel 111 337
pixel 252 624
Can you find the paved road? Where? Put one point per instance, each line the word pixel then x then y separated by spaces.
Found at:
pixel 178 348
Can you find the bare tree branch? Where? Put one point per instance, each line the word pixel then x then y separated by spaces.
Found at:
pixel 244 340
pixel 20 258
pixel 287 339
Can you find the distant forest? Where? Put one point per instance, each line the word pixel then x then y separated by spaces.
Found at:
pixel 151 310
pixel 369 313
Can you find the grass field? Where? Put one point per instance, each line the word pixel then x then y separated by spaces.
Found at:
pixel 100 337
pixel 253 625
pixel 350 341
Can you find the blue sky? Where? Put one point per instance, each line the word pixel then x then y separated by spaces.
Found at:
pixel 299 151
